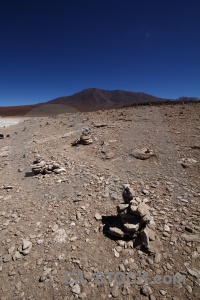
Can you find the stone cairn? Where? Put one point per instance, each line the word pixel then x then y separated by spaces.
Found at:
pixel 137 222
pixel 42 167
pixel 85 138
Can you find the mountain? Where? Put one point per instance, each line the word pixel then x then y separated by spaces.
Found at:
pixel 87 100
pixel 94 99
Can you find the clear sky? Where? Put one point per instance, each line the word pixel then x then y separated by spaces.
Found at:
pixel 53 48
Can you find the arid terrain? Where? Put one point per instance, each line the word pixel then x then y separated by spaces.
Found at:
pixel 58 202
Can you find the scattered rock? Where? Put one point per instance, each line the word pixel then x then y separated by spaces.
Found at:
pixel 146 290
pixel 194 272
pixel 115 291
pixel 189 289
pixel 55 227
pixel 191 238
pixel 157 257
pixel 162 292
pixel 16 256
pixel 18 285
pixel 105 154
pixel 152 297
pixel 99 125
pixel 142 154
pixel 61 236
pixel 98 217
pixel 189 229
pixel 45 275
pixel 76 289
pixel 26 244
pixel 25 247
pixel 8 187
pixel 188 162
pixel 166 228
pixel 116 253
pixel 6 258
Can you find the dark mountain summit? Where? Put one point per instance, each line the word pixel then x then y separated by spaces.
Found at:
pixel 93 99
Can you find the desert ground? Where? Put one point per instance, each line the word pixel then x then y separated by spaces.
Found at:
pixel 55 220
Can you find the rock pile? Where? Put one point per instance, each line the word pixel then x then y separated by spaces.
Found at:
pixel 142 154
pixel 85 138
pixel 136 221
pixel 42 167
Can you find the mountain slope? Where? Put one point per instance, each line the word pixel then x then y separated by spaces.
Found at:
pixel 87 100
pixel 93 99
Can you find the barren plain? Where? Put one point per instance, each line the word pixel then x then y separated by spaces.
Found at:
pixel 54 222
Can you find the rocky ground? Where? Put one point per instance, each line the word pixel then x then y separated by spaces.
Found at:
pixel 61 181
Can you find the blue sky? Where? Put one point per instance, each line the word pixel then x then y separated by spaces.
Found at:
pixel 56 48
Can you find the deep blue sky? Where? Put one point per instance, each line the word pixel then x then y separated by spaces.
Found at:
pixel 56 48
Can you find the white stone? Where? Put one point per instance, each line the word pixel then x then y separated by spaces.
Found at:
pixel 166 228
pixel 76 289
pixel 26 244
pixel 98 217
pixel 61 236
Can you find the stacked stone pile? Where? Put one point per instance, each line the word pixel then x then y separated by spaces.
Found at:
pixel 137 222
pixel 40 166
pixel 85 138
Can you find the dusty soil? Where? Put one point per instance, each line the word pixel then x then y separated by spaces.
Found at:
pixel 56 212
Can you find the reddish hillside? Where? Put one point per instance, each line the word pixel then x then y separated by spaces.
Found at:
pixel 15 110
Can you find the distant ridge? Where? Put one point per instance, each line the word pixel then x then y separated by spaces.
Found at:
pixel 89 100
